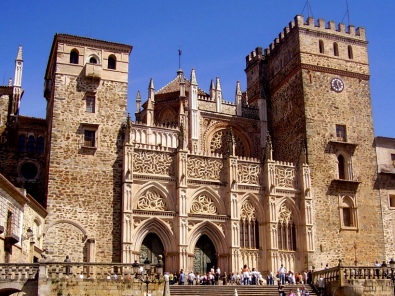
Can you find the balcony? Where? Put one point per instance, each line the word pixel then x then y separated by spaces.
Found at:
pixel 338 144
pixel 93 71
pixel 386 169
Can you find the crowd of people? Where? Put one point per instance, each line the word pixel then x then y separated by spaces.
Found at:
pixel 247 276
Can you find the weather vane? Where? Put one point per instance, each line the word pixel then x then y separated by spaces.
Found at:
pixel 179 57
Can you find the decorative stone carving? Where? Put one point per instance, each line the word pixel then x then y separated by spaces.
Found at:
pixel 285 177
pixel 247 211
pixel 219 143
pixel 151 200
pixel 203 205
pixel 149 162
pixel 204 168
pixel 285 215
pixel 248 173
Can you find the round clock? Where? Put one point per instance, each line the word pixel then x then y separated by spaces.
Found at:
pixel 337 84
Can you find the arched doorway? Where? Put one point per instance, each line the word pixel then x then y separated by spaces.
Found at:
pixel 204 257
pixel 151 248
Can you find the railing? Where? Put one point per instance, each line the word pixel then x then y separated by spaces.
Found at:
pixel 79 270
pixel 18 271
pixel 342 274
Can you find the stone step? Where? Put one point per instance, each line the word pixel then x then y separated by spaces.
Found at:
pixel 229 290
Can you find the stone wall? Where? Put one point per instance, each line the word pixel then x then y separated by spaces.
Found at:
pixel 84 189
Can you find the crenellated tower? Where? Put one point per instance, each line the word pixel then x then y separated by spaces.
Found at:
pixel 315 78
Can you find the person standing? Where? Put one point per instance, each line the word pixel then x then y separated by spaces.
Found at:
pixel 281 273
pixel 182 277
pixel 67 266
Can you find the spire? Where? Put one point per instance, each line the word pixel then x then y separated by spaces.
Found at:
pixel 151 90
pixel 218 95
pixel 18 68
pixel 212 89
pixel 193 77
pixel 138 102
pixel 217 85
pixel 238 98
pixel 181 80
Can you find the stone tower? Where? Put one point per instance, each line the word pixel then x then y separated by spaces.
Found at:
pixel 86 89
pixel 315 77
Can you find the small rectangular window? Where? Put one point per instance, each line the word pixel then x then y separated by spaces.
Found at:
pixel 341 135
pixel 347 219
pixel 89 138
pixel 391 201
pixel 393 160
pixel 90 104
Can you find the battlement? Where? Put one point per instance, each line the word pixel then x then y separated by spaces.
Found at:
pixel 299 23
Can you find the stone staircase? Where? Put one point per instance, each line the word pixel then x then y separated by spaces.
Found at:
pixel 229 290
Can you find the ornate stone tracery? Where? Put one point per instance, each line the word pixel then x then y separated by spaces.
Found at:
pixel 203 205
pixel 151 200
pixel 248 173
pixel 285 215
pixel 285 177
pixel 149 162
pixel 204 168
pixel 219 143
pixel 247 211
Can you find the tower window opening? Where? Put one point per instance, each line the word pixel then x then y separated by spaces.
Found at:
pixel 74 57
pixel 90 104
pixel 21 143
pixel 321 46
pixel 40 145
pixel 341 133
pixel 93 60
pixel 30 144
pixel 341 167
pixel 89 138
pixel 112 62
pixel 393 160
pixel 335 49
pixel 350 53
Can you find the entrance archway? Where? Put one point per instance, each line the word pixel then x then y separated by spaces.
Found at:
pixel 204 255
pixel 151 248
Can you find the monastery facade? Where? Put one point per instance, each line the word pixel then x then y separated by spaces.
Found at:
pixel 285 174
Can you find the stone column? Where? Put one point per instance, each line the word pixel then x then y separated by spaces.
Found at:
pixel 182 209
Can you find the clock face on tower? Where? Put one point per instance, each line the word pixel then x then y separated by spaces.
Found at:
pixel 337 84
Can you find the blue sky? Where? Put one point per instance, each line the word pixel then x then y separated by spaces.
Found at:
pixel 215 36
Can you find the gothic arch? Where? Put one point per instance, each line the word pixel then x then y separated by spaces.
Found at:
pixel 290 203
pixel 238 133
pixel 163 192
pixel 160 228
pixel 213 233
pixel 167 116
pixel 254 200
pixel 221 210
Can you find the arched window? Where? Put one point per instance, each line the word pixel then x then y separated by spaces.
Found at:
pixel 21 143
pixel 341 167
pixel 74 57
pixel 350 53
pixel 40 145
pixel 249 227
pixel 30 144
pixel 112 62
pixel 335 49
pixel 321 46
pixel 93 60
pixel 348 212
pixel 286 230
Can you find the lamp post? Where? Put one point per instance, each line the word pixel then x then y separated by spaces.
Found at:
pixel 147 267
pixel 136 269
pixel 392 266
pixel 159 266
